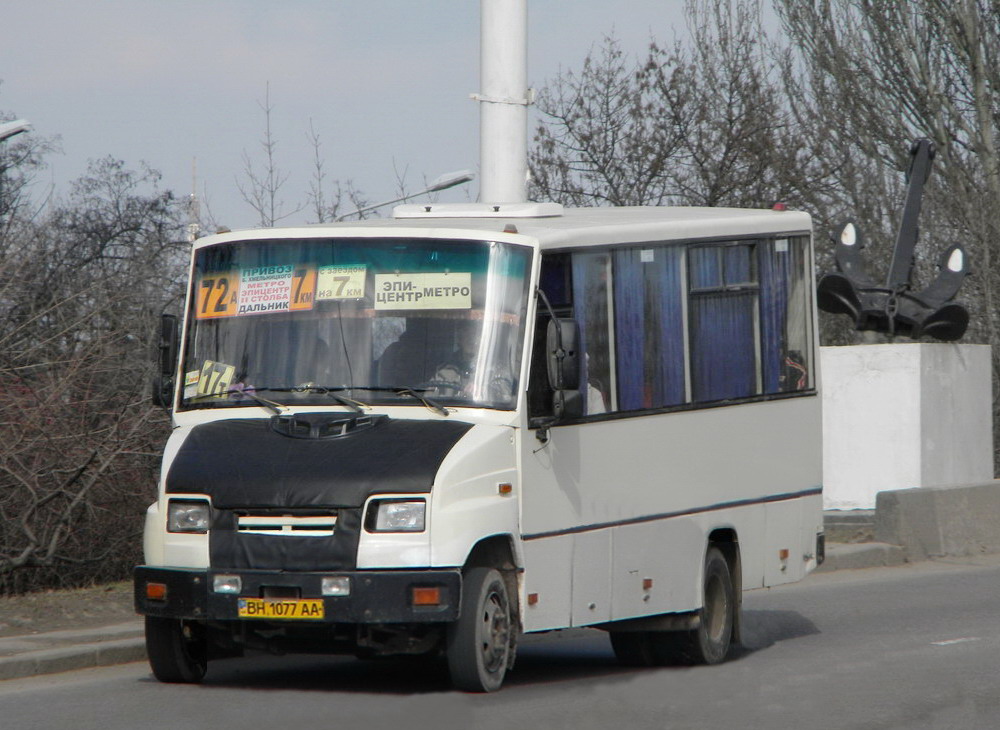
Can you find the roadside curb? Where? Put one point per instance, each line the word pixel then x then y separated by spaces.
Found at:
pixel 65 651
pixel 853 556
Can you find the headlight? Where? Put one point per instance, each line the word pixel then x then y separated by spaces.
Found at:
pixel 397 516
pixel 231 584
pixel 188 516
pixel 335 585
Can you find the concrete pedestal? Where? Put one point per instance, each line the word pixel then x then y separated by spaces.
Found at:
pixel 904 415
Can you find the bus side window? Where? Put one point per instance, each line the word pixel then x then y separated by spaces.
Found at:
pixel 591 292
pixel 786 350
pixel 649 326
pixel 723 326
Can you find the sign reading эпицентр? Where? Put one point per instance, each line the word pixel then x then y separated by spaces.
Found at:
pixel 275 289
pixel 423 291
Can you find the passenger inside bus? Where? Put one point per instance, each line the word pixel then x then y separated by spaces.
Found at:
pixel 400 363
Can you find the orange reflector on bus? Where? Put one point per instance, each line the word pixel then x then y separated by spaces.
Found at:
pixel 783 553
pixel 647 583
pixel 156 591
pixel 424 596
pixel 532 599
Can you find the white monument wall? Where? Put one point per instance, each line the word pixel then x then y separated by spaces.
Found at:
pixel 904 415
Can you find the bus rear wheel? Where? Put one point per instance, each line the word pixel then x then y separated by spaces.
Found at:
pixel 177 650
pixel 480 643
pixel 711 641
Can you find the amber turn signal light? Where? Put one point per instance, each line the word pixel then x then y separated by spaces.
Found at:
pixel 156 591
pixel 425 596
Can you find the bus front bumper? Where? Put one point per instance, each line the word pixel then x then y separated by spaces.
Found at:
pixel 372 597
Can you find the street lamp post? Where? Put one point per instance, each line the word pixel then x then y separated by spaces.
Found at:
pixel 448 180
pixel 9 129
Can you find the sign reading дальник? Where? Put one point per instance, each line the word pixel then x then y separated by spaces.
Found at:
pixel 265 289
pixel 275 289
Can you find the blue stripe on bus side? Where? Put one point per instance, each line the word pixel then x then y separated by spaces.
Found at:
pixel 815 491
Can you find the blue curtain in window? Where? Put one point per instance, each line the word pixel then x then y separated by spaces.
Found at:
pixel 630 327
pixel 773 311
pixel 736 265
pixel 723 350
pixel 722 346
pixel 670 378
pixel 704 267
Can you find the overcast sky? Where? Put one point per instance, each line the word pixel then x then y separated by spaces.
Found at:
pixel 383 82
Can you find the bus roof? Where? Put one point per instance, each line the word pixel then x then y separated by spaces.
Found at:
pixel 569 228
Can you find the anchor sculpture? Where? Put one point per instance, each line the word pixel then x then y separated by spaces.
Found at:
pixel 893 307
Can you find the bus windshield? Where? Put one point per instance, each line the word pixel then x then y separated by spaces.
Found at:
pixel 377 320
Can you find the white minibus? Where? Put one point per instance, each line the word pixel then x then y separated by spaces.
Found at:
pixel 435 433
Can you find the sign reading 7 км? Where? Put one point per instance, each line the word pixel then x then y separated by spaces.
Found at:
pixel 341 282
pixel 452 290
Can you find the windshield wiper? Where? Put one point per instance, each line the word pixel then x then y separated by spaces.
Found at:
pixel 332 392
pixel 417 393
pixel 270 405
pixel 251 393
pixel 323 390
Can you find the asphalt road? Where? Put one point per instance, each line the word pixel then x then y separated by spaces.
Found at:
pixel 908 647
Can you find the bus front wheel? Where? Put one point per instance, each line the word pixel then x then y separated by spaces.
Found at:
pixel 177 650
pixel 479 644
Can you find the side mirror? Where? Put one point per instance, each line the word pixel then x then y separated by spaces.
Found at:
pixel 567 404
pixel 163 382
pixel 561 354
pixel 564 369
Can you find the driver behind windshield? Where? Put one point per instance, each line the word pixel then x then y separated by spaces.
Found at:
pixel 452 359
pixel 454 375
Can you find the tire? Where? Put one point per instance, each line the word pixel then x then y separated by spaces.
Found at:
pixel 480 644
pixel 711 641
pixel 177 650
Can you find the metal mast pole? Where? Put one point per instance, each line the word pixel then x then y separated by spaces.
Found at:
pixel 503 99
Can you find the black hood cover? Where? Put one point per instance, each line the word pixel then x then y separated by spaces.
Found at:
pixel 257 463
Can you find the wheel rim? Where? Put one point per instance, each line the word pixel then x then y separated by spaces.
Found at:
pixel 494 632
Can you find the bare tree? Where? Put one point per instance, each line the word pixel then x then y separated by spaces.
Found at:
pixel 722 94
pixel 702 122
pixel 876 75
pixel 21 159
pixel 328 208
pixel 79 294
pixel 870 76
pixel 602 139
pixel 262 186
